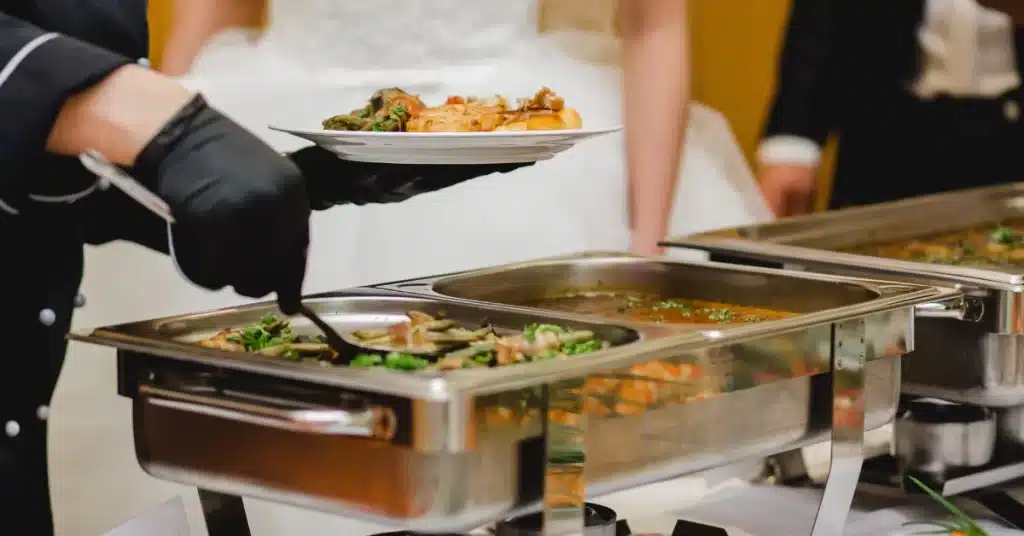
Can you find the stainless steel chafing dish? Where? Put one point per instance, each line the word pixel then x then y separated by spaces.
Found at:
pixel 450 451
pixel 983 359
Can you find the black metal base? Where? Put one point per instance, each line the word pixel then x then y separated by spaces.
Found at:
pixel 977 484
pixel 682 528
pixel 224 514
pixel 1001 504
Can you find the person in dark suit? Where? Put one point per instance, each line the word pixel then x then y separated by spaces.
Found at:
pixel 924 96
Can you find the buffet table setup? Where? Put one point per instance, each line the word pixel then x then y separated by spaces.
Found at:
pixel 688 366
pixel 505 400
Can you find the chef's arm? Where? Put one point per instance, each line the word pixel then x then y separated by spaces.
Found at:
pixel 118 115
pixel 65 95
pixel 802 111
pixel 196 21
pixel 656 70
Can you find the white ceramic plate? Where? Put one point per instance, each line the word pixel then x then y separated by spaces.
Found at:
pixel 501 147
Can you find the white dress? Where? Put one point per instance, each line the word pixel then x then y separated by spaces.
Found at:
pixel 322 57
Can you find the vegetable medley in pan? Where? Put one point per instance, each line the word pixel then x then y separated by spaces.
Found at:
pixel 424 342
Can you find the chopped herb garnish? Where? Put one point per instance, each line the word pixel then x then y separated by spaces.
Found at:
pixel 367 360
pixel 484 358
pixel 1004 236
pixel 722 315
pixel 400 361
pixel 632 302
pixel 584 347
pixel 384 124
pixel 530 332
pixel 684 309
pixel 269 331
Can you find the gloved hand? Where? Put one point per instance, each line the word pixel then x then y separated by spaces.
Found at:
pixel 241 211
pixel 332 181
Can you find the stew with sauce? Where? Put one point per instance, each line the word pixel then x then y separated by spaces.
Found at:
pixel 637 307
pixel 990 245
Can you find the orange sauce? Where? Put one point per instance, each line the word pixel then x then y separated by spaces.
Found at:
pixel 983 246
pixel 636 307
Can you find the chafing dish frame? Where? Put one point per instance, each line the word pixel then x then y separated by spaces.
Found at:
pixel 504 285
pixel 984 355
pixel 446 395
pixel 849 352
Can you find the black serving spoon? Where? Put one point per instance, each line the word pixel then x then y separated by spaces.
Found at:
pixel 334 340
pixel 345 343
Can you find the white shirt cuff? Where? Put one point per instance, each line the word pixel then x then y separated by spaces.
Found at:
pixel 789 150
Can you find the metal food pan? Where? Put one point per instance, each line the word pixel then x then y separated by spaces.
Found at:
pixel 445 452
pixel 521 285
pixel 982 357
pixel 301 434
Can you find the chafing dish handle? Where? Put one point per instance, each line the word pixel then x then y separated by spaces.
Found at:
pixel 371 422
pixel 966 308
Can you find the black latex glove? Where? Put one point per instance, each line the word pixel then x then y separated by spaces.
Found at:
pixel 241 211
pixel 332 181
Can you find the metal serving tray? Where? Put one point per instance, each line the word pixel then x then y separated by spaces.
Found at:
pixel 983 357
pixel 521 285
pixel 450 451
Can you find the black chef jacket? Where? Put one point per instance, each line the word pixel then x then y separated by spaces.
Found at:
pixel 49 208
pixel 845 69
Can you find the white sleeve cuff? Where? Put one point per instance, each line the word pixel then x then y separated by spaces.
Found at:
pixel 789 150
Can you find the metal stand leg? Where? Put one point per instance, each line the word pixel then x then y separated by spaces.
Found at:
pixel 849 357
pixel 1001 504
pixel 564 508
pixel 224 514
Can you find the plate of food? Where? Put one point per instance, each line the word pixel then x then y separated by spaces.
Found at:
pixel 396 127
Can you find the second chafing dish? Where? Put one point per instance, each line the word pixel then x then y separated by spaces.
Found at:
pixel 982 358
pixel 524 284
pixel 449 451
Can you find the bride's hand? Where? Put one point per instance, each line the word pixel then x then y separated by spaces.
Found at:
pixel 331 181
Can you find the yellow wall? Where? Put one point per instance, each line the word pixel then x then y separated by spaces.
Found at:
pixel 159 25
pixel 735 46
